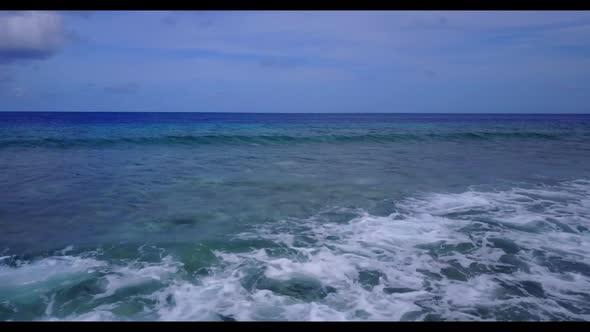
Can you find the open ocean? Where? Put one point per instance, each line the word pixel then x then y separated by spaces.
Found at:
pixel 212 216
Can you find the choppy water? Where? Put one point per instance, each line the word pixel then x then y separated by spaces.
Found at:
pixel 188 216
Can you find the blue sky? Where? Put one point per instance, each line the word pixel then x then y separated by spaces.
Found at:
pixel 299 61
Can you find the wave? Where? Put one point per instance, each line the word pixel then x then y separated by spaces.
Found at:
pixel 281 139
pixel 519 254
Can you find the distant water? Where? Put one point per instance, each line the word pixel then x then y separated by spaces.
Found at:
pixel 203 216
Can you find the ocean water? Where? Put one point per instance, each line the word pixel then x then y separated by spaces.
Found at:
pixel 204 216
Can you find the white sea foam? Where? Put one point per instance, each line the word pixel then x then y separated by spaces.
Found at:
pixel 58 267
pixel 136 274
pixel 516 254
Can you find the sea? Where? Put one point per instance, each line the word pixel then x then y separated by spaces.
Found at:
pixel 294 217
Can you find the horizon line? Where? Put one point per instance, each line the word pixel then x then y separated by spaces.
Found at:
pixel 320 113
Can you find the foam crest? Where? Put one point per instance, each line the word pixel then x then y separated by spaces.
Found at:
pixel 58 267
pixel 439 257
pixel 518 254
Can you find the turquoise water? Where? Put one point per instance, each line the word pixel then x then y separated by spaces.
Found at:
pixel 203 216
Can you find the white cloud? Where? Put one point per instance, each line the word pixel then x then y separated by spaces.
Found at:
pixel 30 34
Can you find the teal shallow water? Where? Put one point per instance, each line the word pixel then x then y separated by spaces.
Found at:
pixel 294 217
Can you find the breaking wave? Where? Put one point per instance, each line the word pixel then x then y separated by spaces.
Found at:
pixel 283 139
pixel 519 254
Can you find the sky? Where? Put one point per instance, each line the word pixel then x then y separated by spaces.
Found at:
pixel 296 61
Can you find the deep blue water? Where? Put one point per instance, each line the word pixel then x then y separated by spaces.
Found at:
pixel 209 216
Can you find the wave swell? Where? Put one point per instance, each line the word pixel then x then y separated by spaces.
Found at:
pixel 282 139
